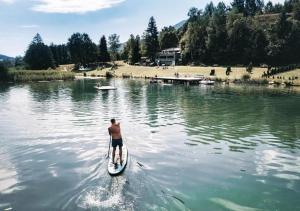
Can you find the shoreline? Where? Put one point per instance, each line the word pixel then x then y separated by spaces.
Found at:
pixel 128 71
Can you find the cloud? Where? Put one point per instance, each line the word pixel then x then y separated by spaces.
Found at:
pixel 7 1
pixel 29 26
pixel 73 6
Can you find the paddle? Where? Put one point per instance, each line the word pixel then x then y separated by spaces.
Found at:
pixel 109 147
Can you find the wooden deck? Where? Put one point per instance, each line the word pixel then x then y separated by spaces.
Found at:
pixel 180 80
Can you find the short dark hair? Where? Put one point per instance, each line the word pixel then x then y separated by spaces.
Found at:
pixel 113 121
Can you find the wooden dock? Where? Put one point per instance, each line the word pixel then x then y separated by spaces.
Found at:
pixel 180 80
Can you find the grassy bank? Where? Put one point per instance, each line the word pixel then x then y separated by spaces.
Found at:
pixel 38 75
pixel 220 73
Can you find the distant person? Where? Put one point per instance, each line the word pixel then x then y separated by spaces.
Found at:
pixel 115 131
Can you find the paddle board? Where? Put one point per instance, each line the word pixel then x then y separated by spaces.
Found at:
pixel 105 87
pixel 118 168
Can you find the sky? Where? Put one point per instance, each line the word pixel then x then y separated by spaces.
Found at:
pixel 57 20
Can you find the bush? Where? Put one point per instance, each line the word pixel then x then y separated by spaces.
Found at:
pixel 228 71
pixel 246 77
pixel 109 75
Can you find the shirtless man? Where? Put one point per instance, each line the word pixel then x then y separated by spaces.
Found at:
pixel 115 131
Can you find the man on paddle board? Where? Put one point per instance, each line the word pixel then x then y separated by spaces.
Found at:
pixel 115 131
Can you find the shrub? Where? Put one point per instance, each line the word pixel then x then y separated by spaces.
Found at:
pixel 246 77
pixel 228 71
pixel 108 75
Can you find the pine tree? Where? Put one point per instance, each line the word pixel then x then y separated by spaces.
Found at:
pixel 82 50
pixel 38 55
pixel 133 47
pixel 151 40
pixel 250 7
pixel 238 6
pixel 103 52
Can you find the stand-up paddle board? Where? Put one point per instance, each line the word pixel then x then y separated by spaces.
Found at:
pixel 105 87
pixel 116 169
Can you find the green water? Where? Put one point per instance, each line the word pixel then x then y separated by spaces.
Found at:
pixel 190 148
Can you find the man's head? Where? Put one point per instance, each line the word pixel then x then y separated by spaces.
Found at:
pixel 113 121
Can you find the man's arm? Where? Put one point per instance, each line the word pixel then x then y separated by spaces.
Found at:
pixel 109 131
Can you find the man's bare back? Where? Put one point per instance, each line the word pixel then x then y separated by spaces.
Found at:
pixel 115 131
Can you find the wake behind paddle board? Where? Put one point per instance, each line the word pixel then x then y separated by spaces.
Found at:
pixel 113 169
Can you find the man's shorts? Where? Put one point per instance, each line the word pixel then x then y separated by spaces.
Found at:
pixel 117 142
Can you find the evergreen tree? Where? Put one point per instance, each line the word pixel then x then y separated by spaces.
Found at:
pixel 250 7
pixel 238 6
pixel 133 45
pixel 151 40
pixel 38 55
pixel 114 45
pixel 193 13
pixel 82 50
pixel 269 8
pixel 209 9
pixel 103 52
pixel 60 54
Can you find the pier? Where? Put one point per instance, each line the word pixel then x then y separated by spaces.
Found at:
pixel 180 80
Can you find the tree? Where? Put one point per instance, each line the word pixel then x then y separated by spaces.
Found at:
pixel 19 61
pixel 283 26
pixel 296 11
pixel 38 55
pixel 151 40
pixel 239 42
pixel 217 37
pixel 114 45
pixel 258 46
pixel 193 13
pixel 103 52
pixel 133 48
pixel 82 50
pixel 168 38
pixel 209 9
pixel 238 6
pixel 250 7
pixel 193 43
pixel 269 8
pixel 61 54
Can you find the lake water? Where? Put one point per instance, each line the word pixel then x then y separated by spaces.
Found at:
pixel 190 148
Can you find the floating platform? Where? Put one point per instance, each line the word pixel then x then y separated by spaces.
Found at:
pixel 105 88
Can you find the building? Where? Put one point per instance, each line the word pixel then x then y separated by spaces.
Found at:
pixel 170 56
